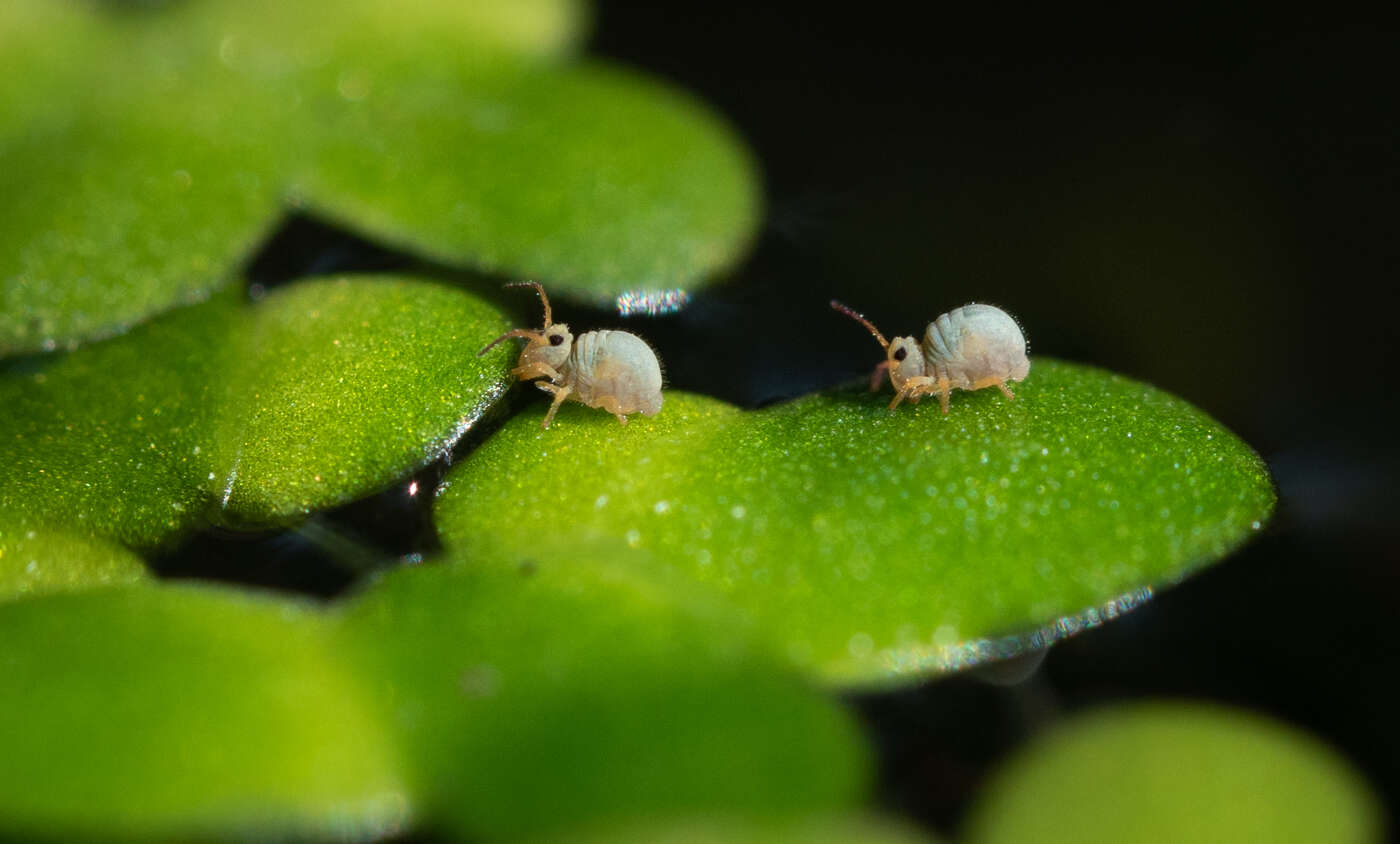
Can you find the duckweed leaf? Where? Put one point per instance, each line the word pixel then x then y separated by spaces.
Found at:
pixel 186 713
pixel 160 147
pixel 345 385
pixel 145 155
pixel 869 544
pixel 539 698
pixel 135 199
pixel 1167 772
pixel 112 440
pixel 593 179
pixel 238 413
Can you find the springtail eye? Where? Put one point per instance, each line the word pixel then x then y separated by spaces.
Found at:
pixel 556 339
pixel 901 353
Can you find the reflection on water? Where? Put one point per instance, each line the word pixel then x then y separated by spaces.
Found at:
pixel 651 302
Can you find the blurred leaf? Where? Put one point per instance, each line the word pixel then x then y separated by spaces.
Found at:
pixel 872 545
pixel 594 179
pixel 42 561
pixel 250 415
pixel 157 151
pixel 185 712
pixel 1170 772
pixel 814 829
pixel 121 210
pixel 539 698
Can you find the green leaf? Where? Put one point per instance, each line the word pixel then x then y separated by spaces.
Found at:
pixel 593 179
pixel 160 148
pixel 1169 772
pixel 119 211
pixel 113 440
pixel 243 414
pixel 535 699
pixel 344 386
pixel 186 712
pixel 872 544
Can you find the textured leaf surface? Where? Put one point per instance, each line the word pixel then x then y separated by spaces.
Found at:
pixel 184 712
pixel 873 544
pixel 244 414
pixel 112 440
pixel 1169 772
pixel 344 385
pixel 538 698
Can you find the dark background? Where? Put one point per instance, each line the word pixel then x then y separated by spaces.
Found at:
pixel 1206 203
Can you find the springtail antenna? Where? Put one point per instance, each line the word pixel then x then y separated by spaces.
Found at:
pixel 862 320
pixel 518 332
pixel 539 288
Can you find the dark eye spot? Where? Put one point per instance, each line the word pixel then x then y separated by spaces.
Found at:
pixel 556 339
pixel 901 353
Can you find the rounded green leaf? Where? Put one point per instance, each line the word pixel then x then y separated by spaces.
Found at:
pixel 1170 772
pixel 113 440
pixel 596 180
pixel 344 385
pixel 535 699
pixel 135 200
pixel 246 414
pixel 873 544
pixel 186 712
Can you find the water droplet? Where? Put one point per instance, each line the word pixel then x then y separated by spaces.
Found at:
pixel 634 538
pixel 738 511
pixel 480 681
pixel 945 636
pixel 860 645
pixel 353 85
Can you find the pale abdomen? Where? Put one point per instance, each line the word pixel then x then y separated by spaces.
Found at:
pixel 617 365
pixel 973 343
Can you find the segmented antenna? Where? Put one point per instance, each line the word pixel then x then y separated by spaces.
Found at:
pixel 518 332
pixel 548 320
pixel 862 320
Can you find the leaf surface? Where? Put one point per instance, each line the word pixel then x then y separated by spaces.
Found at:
pixel 874 544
